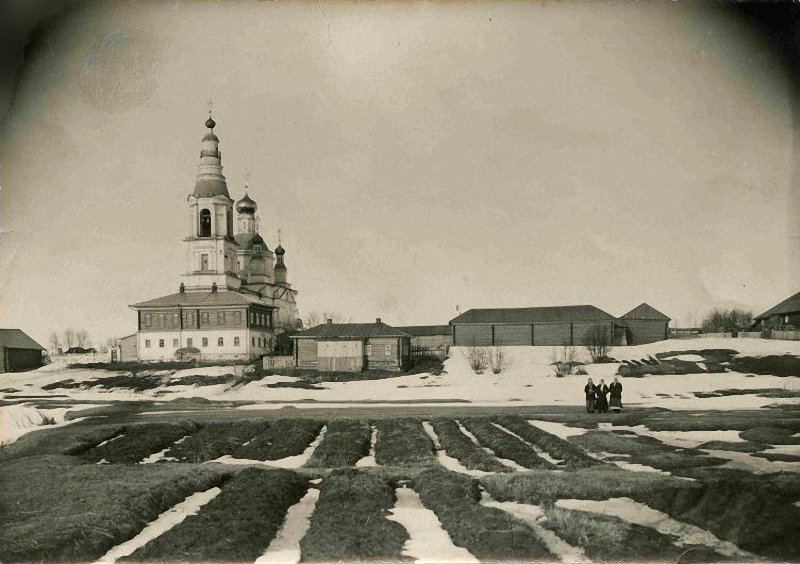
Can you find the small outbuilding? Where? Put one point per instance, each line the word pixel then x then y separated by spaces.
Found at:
pixel 784 316
pixel 128 348
pixel 645 324
pixel 18 352
pixel 352 347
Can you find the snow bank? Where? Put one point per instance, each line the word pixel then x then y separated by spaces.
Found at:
pixel 20 419
pixel 428 541
pixel 680 439
pixel 745 347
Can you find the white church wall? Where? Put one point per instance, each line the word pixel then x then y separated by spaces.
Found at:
pixel 173 340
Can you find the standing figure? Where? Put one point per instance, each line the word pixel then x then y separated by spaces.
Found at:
pixel 591 394
pixel 616 395
pixel 602 401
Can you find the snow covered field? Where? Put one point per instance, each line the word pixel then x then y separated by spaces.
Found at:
pixel 526 379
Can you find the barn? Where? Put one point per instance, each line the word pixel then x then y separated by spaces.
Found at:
pixel 18 352
pixel 429 336
pixel 352 347
pixel 645 324
pixel 553 326
pixel 785 315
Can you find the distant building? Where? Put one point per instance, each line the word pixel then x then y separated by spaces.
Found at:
pixel 645 325
pixel 235 297
pixel 127 348
pixel 785 315
pixel 556 326
pixel 429 336
pixel 18 352
pixel 352 347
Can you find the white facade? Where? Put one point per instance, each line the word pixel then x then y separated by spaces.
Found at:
pixel 223 344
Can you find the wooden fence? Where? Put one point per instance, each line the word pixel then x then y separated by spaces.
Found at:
pixel 785 335
pixel 278 362
pixel 429 353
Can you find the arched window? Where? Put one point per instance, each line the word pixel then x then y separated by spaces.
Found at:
pixel 205 223
pixel 220 342
pixel 236 341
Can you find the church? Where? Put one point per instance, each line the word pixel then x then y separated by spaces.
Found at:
pixel 234 298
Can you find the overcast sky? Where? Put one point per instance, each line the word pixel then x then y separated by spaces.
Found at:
pixel 416 156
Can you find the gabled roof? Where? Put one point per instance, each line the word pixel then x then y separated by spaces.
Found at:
pixel 534 315
pixel 350 331
pixel 645 311
pixel 789 305
pixel 192 299
pixel 17 339
pixel 427 330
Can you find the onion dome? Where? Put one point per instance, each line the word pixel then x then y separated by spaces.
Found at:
pixel 210 123
pixel 279 250
pixel 246 205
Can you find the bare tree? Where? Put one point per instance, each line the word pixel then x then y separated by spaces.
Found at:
pixel 82 336
pixel 314 318
pixel 598 342
pixel 497 358
pixel 55 342
pixel 727 320
pixel 563 360
pixel 477 358
pixel 69 337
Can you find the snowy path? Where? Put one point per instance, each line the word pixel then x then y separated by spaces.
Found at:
pixel 504 461
pixel 290 462
pixel 531 515
pixel 111 440
pixel 640 514
pixel 163 523
pixel 428 541
pixel 535 448
pixel 285 547
pixel 448 461
pixel 369 460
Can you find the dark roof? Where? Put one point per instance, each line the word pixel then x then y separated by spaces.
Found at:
pixel 645 311
pixel 789 305
pixel 17 339
pixel 427 330
pixel 210 187
pixel 533 315
pixel 350 331
pixel 191 299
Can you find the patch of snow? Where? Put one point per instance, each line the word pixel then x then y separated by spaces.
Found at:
pixel 163 523
pixel 686 358
pixel 539 452
pixel 369 460
pixel 315 481
pixel 428 541
pixel 793 450
pixel 532 515
pixel 161 455
pixel 558 429
pixel 112 439
pixel 754 464
pixel 680 439
pixel 702 366
pixel 285 547
pixel 448 461
pixel 640 514
pixel 504 461
pixel 290 462
pixel 102 461
pixel 18 420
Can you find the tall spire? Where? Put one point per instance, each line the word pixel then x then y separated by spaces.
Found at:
pixel 210 181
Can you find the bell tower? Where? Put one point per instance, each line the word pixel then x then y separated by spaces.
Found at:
pixel 211 246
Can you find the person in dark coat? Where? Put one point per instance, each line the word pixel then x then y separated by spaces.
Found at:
pixel 616 395
pixel 602 401
pixel 591 395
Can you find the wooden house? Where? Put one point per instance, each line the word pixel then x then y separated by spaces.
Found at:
pixel 352 347
pixel 645 324
pixel 785 315
pixel 18 352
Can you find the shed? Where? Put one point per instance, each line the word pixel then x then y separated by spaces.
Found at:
pixel 351 347
pixel 785 315
pixel 429 336
pixel 550 326
pixel 645 324
pixel 18 352
pixel 128 348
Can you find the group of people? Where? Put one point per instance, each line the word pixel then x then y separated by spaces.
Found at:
pixel 596 396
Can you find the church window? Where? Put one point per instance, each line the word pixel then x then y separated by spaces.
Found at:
pixel 257 248
pixel 221 319
pixel 369 350
pixel 189 342
pixel 175 320
pixel 204 317
pixel 205 223
pixel 236 341
pixel 147 320
pixel 254 341
pixel 220 342
pixel 175 343
pixel 204 262
pixel 161 343
pixel 237 317
pixel 251 317
pixel 147 343
pixel 205 341
pixel 387 350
